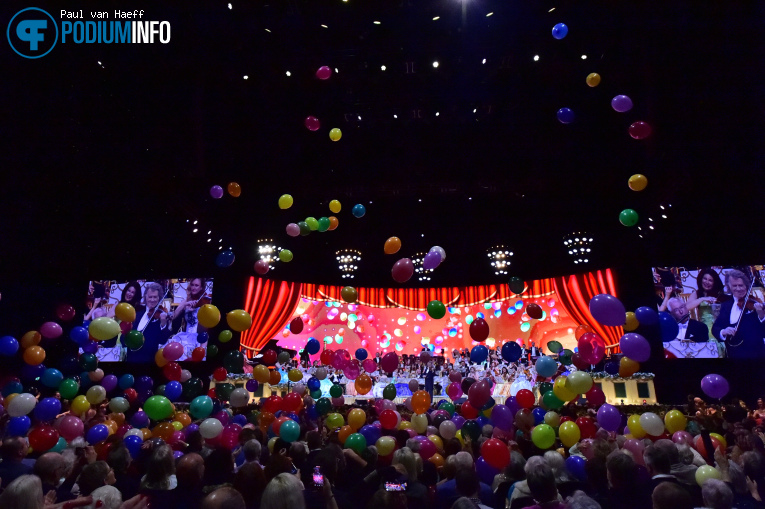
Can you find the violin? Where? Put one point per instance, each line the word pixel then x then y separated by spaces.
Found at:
pixel 155 314
pixel 204 299
pixel 747 303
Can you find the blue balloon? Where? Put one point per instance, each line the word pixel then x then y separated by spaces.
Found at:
pixel 69 365
pixel 371 433
pixel 511 351
pixel 97 433
pixel 358 210
pixel 202 337
pixel 126 381
pixel 646 316
pixel 490 403
pixel 576 465
pixel 51 378
pixel 485 471
pixel 12 387
pixel 79 335
pixel 8 345
pixel 313 346
pixel 173 390
pixel 239 419
pixel 144 383
pixel 225 259
pixel 133 444
pixel 312 413
pixel 539 415
pixel 559 31
pixel 546 366
pixel 612 368
pixel 31 373
pixel 18 426
pixel 47 409
pixel 139 420
pixel 361 354
pixel 482 421
pixel 565 115
pixel 313 384
pixel 478 354
pixel 668 327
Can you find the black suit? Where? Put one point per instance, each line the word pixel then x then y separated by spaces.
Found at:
pixel 153 336
pixel 747 343
pixel 697 331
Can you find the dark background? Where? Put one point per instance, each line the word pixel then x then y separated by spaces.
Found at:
pixel 105 167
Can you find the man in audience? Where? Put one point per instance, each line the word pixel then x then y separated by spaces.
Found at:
pixel 446 493
pixel 670 495
pixel 13 452
pixel 251 450
pixel 224 498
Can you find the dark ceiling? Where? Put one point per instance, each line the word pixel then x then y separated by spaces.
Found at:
pixel 102 164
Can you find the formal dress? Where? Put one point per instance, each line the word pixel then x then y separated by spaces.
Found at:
pixel 748 341
pixel 693 330
pixel 153 335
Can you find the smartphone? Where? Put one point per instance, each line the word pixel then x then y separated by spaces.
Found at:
pixel 392 486
pixel 318 479
pixel 293 471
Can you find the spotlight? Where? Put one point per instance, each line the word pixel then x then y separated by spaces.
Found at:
pixel 347 260
pixel 422 274
pixel 581 243
pixel 500 259
pixel 268 251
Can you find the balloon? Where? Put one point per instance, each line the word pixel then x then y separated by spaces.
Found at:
pixel 569 433
pixel 363 384
pixel 313 346
pixel 233 361
pixel 8 345
pixel 285 201
pixel 436 309
pixel 51 330
pixel 51 378
pixel 554 346
pixel 172 351
pixel 454 391
pixel 95 395
pixel 402 270
pixel 47 409
pixel 97 433
pixel 559 31
pixel 668 326
pixel 208 316
pixel 71 427
pixel 385 445
pixel 324 72
pixel 239 397
pixel 592 348
pixel 640 130
pixel 349 294
pixel 683 437
pixel 593 79
pixel 286 255
pixel 158 408
pixel 627 367
pixel 432 260
pixel 479 393
pixel 479 330
pixel 225 258
pixel 496 453
pixel 706 472
pixel 652 424
pixel 595 396
pixel 633 424
pixel 421 402
pixel 369 365
pixel 234 189
pixel 414 385
pixel 546 366
pixel 543 436
pixel 635 346
pixel 335 420
pixel 675 421
pixel 21 404
pixel 565 115
pixel 525 398
pixel 714 385
pixel 579 382
pixel 511 351
pixel 637 182
pixel 392 245
pixel 358 210
pixel 609 417
pixel 621 103
pixel 479 354
pixel 210 428
pixel 389 362
pixel 586 427
pixel 335 134
pixel 628 217
pixel 239 320
pixel 103 328
pixel 607 310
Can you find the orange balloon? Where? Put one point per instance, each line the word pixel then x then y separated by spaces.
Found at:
pixel 234 189
pixel 392 245
pixel 163 430
pixel 146 433
pixel 420 402
pixel 117 417
pixel 274 378
pixel 34 355
pixel 266 418
pixel 111 425
pixel 344 433
pixel 31 338
pixel 363 384
pixel 581 330
pixel 628 367
pixel 159 358
pixel 333 222
pixel 183 418
pixel 437 460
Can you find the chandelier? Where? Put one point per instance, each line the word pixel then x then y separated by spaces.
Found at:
pixel 347 260
pixel 268 251
pixel 422 273
pixel 500 259
pixel 579 246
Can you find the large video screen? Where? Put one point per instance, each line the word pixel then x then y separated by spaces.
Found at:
pixel 165 310
pixel 718 310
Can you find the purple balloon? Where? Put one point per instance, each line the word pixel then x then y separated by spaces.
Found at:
pixel 90 347
pixel 216 192
pixel 485 471
pixel 191 428
pixel 621 103
pixel 502 417
pixel 293 230
pixel 512 405
pixel 402 270
pixel 223 417
pixel 608 310
pixel 177 454
pixel 371 433
pixel 144 383
pixel 140 420
pixel 635 346
pixel 646 316
pixel 575 465
pixel 458 421
pixel 714 386
pixel 251 385
pixel 109 382
pixel 431 260
pixel 609 417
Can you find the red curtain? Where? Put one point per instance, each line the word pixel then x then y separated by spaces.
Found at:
pixel 271 304
pixel 574 294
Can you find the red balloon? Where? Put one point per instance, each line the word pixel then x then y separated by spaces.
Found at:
pixel 269 357
pixel 131 395
pixel 496 453
pixel 479 393
pixel 580 364
pixel 65 312
pixel 212 393
pixel 326 357
pixel 273 404
pixel 277 424
pixel 388 419
pixel 389 362
pixel 220 374
pixel 468 411
pixel 292 402
pixel 479 330
pixel 126 327
pixel 172 371
pixel 586 427
pixel 198 354
pixel 595 396
pixel 592 348
pixel 565 418
pixel 43 437
pixel 525 398
pixel 640 130
pixel 698 444
pixel 534 311
pixel 296 325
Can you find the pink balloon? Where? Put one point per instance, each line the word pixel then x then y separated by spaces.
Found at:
pixel 455 376
pixel 412 432
pixel 341 359
pixel 454 391
pixel 389 405
pixel 682 437
pixel 293 230
pixel 177 436
pixel 379 405
pixel 172 351
pixel 71 427
pixel 408 404
pixel 312 123
pixel 427 449
pixel 636 447
pixel 299 388
pixel 324 72
pixel 262 267
pixel 389 362
pixel 369 365
pixel 51 330
pixel 402 270
pixel 353 370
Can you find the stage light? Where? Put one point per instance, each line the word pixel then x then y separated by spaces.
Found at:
pixel 664 216
pixel 376 22
pixel 500 259
pixel 422 274
pixel 382 67
pixel 395 116
pixel 435 64
pixel 196 221
pixel 245 77
pixel 268 251
pixel 584 57
pixel 436 18
pixel 337 71
pixel 475 110
pixel 267 30
pixel 324 26
pixel 551 9
pixel 483 61
pixel 195 230
pixel 490 14
pixel 577 244
pixel 289 73
pixel 347 260
pixel 230 7
pixel 437 113
pixel 536 58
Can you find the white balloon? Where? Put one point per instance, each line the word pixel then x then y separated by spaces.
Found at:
pixel 119 404
pixel 652 424
pixel 320 374
pixel 210 428
pixel 185 375
pixel 134 431
pixel 420 423
pixel 239 397
pixel 21 405
pixel 441 252
pixel 299 388
pixel 448 430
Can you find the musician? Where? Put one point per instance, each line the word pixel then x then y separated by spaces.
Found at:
pixel 429 374
pixel 150 319
pixel 688 328
pixel 746 340
pixel 186 312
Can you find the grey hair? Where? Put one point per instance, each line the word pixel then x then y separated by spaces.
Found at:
pixel 284 491
pixel 736 274
pixel 684 451
pixel 413 444
pixel 405 457
pixel 154 287
pixel 462 460
pixel 108 495
pixel 737 477
pixel 252 449
pixel 463 503
pixel 540 479
pixel 580 500
pixel 717 494
pixel 558 466
pixel 25 492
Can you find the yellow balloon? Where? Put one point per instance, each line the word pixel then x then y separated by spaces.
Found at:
pixel 159 358
pixel 458 436
pixel 569 433
pixel 552 419
pixel 295 375
pixel 271 444
pixel 357 418
pixel 80 405
pixel 111 425
pixel 561 391
pixel 95 395
pixel 593 79
pixel 674 420
pixel 208 316
pixel 31 338
pixel 578 382
pixel 335 206
pixel 104 328
pixel 239 320
pixel 285 201
pixel 335 134
pixel 334 421
pixel 420 422
pixel 706 472
pixel 630 322
pixel 177 425
pixel 720 439
pixel 628 367
pixel 636 430
pixel 261 374
pixel 637 182
pixel 437 442
pixel 385 445
pixel 125 311
pixel 405 425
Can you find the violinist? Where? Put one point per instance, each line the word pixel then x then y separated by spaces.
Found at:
pixel 741 323
pixel 185 316
pixel 152 320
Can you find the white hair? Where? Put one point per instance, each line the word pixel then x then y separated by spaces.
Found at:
pixel 405 457
pixel 25 492
pixel 580 500
pixel 463 459
pixel 717 494
pixel 284 491
pixel 108 495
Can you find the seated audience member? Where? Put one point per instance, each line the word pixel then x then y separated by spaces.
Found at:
pixel 250 482
pixel 446 493
pixel 468 485
pixel 53 471
pixel 94 476
pixel 671 495
pixel 251 450
pixel 224 498
pixel 717 494
pixel 284 491
pixel 119 459
pixel 580 500
pixel 541 482
pixel 624 490
pixel 13 451
pixel 106 497
pixel 219 469
pixel 416 492
pixel 521 489
pixel 189 474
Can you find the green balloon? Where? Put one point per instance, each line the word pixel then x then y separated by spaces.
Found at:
pixel 68 388
pixel 160 390
pixel 201 407
pixel 323 224
pixel 544 387
pixel 389 392
pixel 436 309
pixel 355 442
pixel 336 391
pixel 224 390
pixel 225 336
pixel 516 285
pixel 628 217
pixel 233 361
pixel 304 229
pixel 565 357
pixel 158 408
pixel 88 362
pixel 289 431
pixel 212 351
pixel 134 339
pixel 550 401
pixel 286 255
pixel 471 429
pixel 554 346
pixel 334 420
pixel 323 406
pixel 192 388
pixel 316 394
pixel 283 357
pixel 449 407
pixel 60 445
pixel 543 436
pixel 312 223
